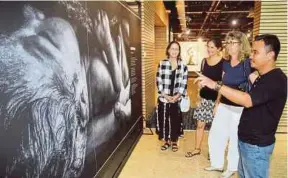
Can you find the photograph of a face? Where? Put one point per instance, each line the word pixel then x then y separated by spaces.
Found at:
pixel 65 85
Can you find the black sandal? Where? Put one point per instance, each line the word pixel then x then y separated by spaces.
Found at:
pixel 190 154
pixel 174 147
pixel 165 146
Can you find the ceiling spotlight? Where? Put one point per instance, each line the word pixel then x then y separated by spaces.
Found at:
pixel 234 22
pixel 248 35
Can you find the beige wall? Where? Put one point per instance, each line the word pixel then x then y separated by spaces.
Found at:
pixel 161 14
pixel 271 17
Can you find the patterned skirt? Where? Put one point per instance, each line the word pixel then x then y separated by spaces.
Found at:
pixel 204 111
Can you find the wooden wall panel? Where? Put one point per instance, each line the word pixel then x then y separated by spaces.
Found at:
pixel 153 43
pixel 148 56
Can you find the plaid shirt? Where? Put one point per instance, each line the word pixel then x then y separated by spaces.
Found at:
pixel 163 78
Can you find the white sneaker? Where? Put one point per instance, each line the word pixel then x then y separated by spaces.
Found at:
pixel 227 174
pixel 213 169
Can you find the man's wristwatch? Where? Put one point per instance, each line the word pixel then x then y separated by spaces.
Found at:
pixel 218 85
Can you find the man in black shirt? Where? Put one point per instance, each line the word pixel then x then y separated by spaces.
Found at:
pixel 263 107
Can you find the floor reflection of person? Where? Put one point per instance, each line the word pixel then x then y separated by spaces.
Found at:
pixel 44 97
pixel 172 86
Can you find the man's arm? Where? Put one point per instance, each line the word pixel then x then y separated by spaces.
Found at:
pixel 231 94
pixel 236 96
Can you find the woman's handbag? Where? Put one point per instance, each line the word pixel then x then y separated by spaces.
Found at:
pixel 185 104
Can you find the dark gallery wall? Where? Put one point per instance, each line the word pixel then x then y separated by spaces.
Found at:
pixel 70 88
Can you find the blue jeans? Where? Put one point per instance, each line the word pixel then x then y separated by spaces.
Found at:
pixel 254 160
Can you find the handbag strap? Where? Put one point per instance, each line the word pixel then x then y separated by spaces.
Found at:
pixel 202 64
pixel 246 68
pixel 245 72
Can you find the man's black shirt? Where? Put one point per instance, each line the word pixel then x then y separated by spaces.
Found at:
pixel 258 124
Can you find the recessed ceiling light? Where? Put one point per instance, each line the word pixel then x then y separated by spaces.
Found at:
pixel 234 22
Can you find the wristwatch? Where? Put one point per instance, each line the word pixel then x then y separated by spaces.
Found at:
pixel 218 85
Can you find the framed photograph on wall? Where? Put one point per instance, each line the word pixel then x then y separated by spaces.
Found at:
pixel 192 54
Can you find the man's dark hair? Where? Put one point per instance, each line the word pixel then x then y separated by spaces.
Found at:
pixel 271 42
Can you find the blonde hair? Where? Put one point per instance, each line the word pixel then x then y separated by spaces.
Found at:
pixel 245 45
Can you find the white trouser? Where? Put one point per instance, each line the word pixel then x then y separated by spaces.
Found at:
pixel 225 127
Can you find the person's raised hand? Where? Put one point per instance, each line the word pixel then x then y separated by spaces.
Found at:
pixel 205 81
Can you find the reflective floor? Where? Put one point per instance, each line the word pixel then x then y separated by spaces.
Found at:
pixel 148 161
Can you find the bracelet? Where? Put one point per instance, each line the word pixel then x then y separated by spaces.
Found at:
pixel 218 86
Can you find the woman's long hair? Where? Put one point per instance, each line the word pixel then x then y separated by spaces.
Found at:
pixel 245 45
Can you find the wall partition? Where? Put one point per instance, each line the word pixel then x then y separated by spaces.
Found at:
pixel 70 88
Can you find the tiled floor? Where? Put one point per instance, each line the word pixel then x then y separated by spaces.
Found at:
pixel 148 161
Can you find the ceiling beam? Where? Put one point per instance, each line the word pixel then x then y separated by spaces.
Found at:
pixel 220 24
pixel 211 29
pixel 180 5
pixel 213 7
pixel 218 12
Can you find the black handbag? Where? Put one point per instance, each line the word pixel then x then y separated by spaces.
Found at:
pixel 245 86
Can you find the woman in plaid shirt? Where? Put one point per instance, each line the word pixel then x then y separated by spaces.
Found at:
pixel 172 86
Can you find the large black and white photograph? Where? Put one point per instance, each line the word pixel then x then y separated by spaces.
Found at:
pixel 70 85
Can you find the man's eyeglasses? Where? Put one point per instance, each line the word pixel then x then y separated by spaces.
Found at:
pixel 232 42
